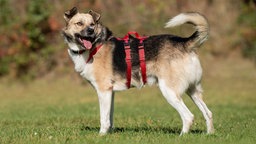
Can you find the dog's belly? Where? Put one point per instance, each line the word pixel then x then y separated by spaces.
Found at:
pixel 120 82
pixel 119 86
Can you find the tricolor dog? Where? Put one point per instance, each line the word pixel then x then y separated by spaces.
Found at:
pixel 112 64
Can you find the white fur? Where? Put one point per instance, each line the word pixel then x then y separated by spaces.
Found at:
pixel 151 80
pixel 120 86
pixel 196 96
pixel 174 100
pixel 73 46
pixel 106 100
pixel 199 21
pixel 83 68
pixel 177 20
pixel 189 77
pixel 188 72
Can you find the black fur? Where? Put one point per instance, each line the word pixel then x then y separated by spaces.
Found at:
pixel 152 46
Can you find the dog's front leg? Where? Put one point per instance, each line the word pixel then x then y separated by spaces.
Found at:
pixel 106 101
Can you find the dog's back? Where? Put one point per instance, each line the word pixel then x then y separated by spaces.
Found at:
pixel 168 56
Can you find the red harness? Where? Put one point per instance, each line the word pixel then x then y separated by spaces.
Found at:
pixel 128 57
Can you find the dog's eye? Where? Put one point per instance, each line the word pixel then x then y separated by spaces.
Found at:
pixel 79 23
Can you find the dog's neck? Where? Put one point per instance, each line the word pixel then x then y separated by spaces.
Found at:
pixel 105 34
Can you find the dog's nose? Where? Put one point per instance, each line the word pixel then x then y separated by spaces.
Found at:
pixel 90 31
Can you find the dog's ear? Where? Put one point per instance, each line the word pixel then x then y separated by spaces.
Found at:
pixel 95 15
pixel 69 14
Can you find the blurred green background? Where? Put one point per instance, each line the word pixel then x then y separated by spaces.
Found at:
pixel 32 46
pixel 43 100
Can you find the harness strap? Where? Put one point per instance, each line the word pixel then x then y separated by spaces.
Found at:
pixel 128 57
pixel 142 62
pixel 128 62
pixel 141 56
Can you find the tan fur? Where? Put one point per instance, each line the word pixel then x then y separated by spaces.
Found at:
pixel 170 68
pixel 102 64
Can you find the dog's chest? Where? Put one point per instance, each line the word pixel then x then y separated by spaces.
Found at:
pixel 85 70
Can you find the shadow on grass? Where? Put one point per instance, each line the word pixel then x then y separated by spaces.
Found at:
pixel 164 130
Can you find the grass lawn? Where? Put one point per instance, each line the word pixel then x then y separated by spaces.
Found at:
pixel 62 110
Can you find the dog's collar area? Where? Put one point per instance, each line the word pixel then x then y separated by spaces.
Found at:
pixel 91 53
pixel 78 52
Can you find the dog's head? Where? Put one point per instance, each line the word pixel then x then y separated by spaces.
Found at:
pixel 81 28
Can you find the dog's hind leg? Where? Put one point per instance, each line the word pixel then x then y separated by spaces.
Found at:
pixel 175 100
pixel 106 101
pixel 195 92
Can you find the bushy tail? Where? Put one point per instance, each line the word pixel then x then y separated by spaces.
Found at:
pixel 201 26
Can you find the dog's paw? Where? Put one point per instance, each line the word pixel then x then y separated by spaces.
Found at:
pixel 104 132
pixel 182 133
pixel 211 131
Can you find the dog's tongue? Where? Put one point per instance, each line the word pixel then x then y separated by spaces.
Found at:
pixel 87 44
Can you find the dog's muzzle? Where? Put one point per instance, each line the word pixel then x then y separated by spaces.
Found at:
pixel 84 41
pixel 88 32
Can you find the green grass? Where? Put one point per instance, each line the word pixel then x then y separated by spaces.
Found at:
pixel 64 111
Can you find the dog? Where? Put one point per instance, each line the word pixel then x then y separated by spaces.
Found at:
pixel 171 62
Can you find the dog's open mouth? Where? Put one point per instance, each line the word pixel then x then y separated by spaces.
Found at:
pixel 86 43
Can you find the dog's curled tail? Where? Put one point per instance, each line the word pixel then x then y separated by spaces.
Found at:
pixel 200 23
